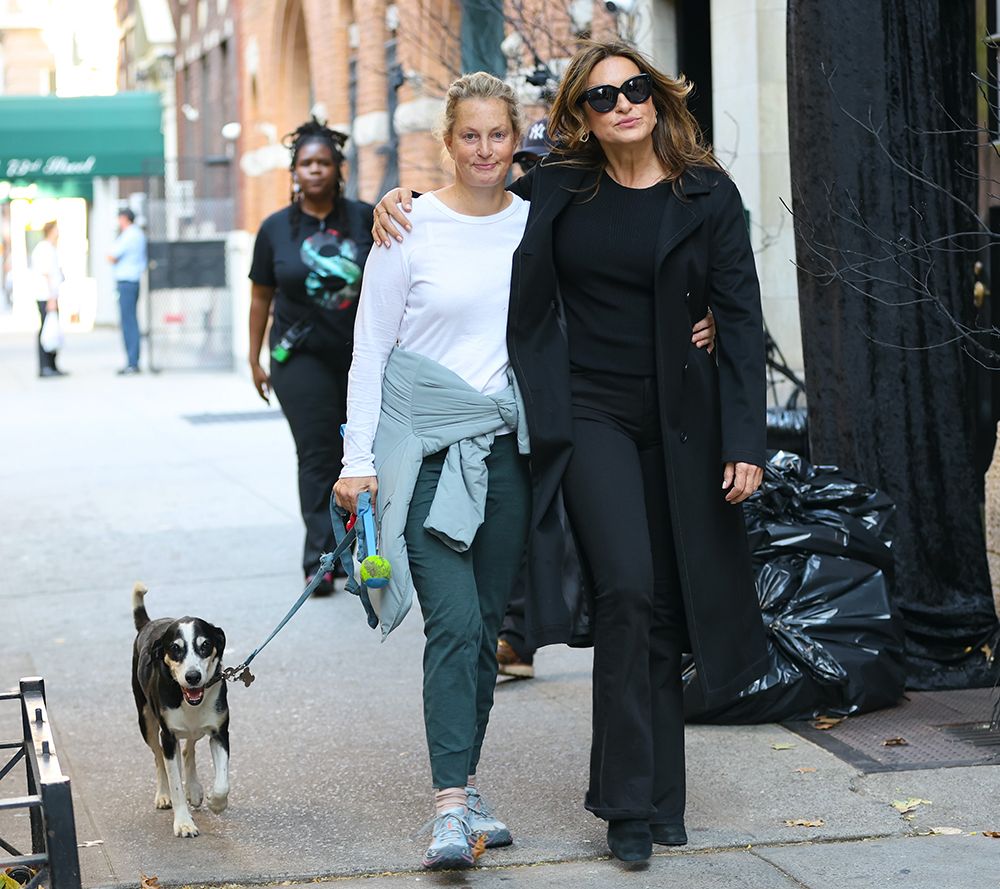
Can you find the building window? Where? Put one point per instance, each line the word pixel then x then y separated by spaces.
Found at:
pixel 482 34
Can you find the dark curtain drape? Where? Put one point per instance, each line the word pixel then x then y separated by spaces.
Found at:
pixel 879 293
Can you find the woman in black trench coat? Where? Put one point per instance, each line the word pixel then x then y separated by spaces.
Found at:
pixel 634 231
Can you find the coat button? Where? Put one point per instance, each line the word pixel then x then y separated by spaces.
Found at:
pixel 684 437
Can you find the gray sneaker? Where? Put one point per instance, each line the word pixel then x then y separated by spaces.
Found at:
pixel 450 846
pixel 482 821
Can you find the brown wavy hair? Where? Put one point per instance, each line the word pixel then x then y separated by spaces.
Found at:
pixel 677 138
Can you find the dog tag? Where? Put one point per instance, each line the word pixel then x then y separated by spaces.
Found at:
pixel 247 677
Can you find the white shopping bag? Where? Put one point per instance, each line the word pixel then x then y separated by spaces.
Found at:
pixel 51 336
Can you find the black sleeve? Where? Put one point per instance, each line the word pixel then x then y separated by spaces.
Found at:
pixel 367 215
pixel 262 265
pixel 360 217
pixel 734 295
pixel 522 187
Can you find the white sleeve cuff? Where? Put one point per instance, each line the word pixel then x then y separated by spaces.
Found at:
pixel 358 469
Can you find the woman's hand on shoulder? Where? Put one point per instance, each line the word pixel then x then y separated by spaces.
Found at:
pixel 346 490
pixel 388 215
pixel 741 480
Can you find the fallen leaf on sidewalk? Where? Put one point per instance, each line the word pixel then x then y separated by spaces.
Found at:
pixel 479 846
pixel 825 723
pixel 804 770
pixel 908 805
pixel 895 742
pixel 993 834
pixel 783 745
pixel 145 882
pixel 802 822
pixel 946 831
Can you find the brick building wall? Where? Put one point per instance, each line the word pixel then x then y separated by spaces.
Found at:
pixel 29 68
pixel 295 55
pixel 206 83
pixel 27 65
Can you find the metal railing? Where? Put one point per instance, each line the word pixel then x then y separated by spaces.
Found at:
pixel 53 860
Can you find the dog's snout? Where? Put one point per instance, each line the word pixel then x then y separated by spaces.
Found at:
pixel 192 677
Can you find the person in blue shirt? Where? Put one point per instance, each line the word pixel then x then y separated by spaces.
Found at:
pixel 128 254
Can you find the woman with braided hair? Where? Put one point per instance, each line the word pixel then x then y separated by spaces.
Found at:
pixel 306 274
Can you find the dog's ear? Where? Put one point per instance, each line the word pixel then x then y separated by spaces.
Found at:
pixel 158 651
pixel 218 639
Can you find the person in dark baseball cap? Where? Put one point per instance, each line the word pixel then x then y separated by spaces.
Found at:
pixel 534 146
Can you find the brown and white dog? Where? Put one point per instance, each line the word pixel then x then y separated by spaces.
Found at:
pixel 172 663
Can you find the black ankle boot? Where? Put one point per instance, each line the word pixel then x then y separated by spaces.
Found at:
pixel 629 839
pixel 669 834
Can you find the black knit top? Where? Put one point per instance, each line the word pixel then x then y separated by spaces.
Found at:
pixel 605 250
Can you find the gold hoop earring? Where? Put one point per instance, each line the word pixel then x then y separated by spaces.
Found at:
pixel 585 136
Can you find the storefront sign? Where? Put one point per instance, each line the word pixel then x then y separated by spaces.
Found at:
pixel 57 165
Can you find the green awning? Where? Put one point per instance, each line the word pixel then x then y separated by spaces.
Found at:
pixel 45 138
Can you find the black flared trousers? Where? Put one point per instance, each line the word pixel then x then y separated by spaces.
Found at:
pixel 615 489
pixel 313 396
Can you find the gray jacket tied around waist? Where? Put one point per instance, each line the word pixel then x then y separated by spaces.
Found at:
pixel 425 409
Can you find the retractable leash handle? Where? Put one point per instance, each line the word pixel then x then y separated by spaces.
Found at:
pixel 375 570
pixel 347 527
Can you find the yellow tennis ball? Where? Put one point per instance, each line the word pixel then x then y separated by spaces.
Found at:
pixel 375 571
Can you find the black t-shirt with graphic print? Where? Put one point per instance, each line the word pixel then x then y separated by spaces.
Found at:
pixel 316 275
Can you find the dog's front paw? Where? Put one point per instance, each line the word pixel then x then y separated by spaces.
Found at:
pixel 218 802
pixel 184 827
pixel 163 800
pixel 195 793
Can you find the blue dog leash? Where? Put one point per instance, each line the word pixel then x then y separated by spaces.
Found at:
pixel 364 532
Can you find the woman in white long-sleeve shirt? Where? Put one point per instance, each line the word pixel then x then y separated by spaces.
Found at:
pixel 444 296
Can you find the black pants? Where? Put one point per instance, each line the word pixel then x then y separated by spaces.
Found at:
pixel 615 489
pixel 313 396
pixel 46 360
pixel 513 627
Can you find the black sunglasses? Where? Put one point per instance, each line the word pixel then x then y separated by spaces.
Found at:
pixel 603 98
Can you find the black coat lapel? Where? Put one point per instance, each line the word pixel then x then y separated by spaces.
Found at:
pixel 548 200
pixel 681 216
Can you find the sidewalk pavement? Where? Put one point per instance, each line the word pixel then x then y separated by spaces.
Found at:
pixel 104 482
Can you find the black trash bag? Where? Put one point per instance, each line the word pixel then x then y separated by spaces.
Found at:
pixel 788 430
pixel 821 550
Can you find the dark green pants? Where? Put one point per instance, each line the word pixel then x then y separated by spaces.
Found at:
pixel 463 597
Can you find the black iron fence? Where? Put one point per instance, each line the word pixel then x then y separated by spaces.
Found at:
pixel 190 212
pixel 53 861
